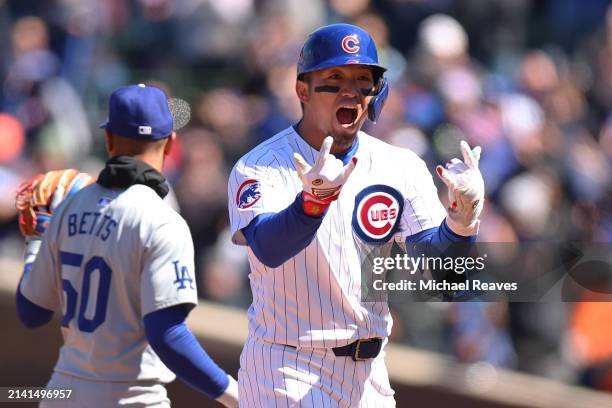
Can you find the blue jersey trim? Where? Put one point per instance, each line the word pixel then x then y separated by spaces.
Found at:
pixel 346 156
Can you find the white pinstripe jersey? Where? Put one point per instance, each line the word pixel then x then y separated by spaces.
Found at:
pixel 108 258
pixel 313 299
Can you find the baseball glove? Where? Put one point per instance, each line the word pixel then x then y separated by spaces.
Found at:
pixel 38 197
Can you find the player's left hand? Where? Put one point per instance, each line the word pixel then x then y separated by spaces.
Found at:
pixel 38 197
pixel 465 191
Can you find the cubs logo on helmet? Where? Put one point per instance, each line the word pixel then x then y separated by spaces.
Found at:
pixel 248 194
pixel 350 43
pixel 377 213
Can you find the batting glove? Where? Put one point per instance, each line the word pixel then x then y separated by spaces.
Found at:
pixel 465 191
pixel 322 182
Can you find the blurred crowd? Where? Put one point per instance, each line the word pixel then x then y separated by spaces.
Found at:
pixel 529 81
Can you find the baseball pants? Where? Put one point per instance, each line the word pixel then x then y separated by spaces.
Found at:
pixel 275 375
pixel 98 394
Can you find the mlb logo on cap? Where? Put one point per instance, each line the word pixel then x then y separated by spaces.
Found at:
pixel 139 112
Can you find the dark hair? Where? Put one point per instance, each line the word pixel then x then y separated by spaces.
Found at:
pixel 133 146
pixel 304 78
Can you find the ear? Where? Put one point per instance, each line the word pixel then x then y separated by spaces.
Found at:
pixel 109 141
pixel 302 89
pixel 169 143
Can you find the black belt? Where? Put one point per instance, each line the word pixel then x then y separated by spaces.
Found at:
pixel 362 349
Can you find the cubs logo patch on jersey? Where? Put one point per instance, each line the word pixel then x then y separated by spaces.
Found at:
pixel 248 194
pixel 377 213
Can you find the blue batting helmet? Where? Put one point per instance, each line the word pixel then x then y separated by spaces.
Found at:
pixel 345 44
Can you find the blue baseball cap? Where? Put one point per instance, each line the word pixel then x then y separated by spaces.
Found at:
pixel 139 112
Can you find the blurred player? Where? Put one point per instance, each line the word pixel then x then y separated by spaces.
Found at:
pixel 306 203
pixel 117 262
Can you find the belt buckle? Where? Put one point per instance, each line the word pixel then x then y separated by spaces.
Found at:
pixel 357 345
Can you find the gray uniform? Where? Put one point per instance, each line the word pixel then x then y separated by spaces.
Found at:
pixel 108 258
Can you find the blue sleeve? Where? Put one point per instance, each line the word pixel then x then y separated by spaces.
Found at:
pixel 291 230
pixel 439 235
pixel 181 352
pixel 434 242
pixel 30 314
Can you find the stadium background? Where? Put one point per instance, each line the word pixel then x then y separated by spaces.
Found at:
pixel 530 81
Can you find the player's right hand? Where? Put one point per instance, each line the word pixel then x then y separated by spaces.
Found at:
pixel 323 181
pixel 38 197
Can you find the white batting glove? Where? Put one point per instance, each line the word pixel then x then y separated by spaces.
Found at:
pixel 465 191
pixel 229 398
pixel 323 181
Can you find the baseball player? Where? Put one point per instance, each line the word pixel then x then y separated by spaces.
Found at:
pixel 117 262
pixel 305 203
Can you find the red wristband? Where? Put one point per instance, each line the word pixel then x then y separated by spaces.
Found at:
pixel 312 205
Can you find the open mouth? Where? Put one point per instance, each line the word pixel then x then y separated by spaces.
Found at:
pixel 346 116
